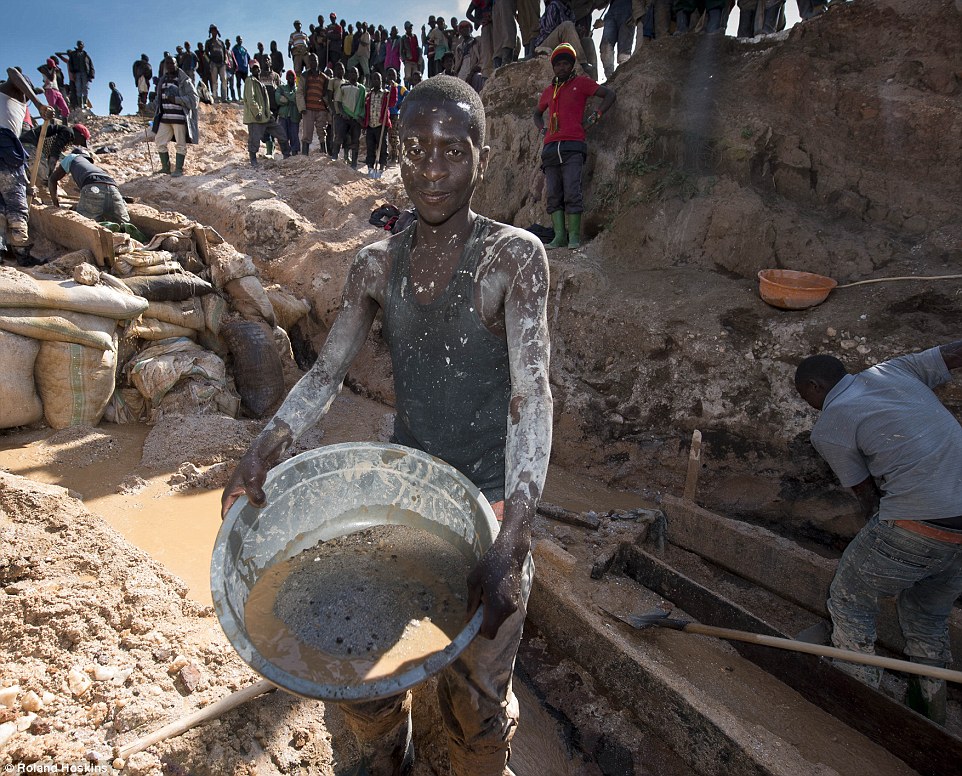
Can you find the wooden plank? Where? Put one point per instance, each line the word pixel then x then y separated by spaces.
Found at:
pixel 909 736
pixel 779 565
pixel 73 231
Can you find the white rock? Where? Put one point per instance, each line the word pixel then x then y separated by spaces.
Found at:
pixel 122 675
pixel 78 682
pixel 8 696
pixel 179 662
pixel 25 722
pixel 104 673
pixel 48 698
pixel 864 349
pixel 830 331
pixel 7 730
pixel 847 344
pixel 31 702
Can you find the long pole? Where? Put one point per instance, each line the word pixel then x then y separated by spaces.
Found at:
pixel 184 724
pixel 36 161
pixel 848 655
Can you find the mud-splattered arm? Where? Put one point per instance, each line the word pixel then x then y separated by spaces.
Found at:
pixel 528 444
pixel 310 399
pixel 496 581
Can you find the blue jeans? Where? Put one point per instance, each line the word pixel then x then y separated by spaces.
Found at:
pixel 616 30
pixel 925 576
pixel 83 87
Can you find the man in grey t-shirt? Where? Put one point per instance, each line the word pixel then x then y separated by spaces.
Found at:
pixel 887 436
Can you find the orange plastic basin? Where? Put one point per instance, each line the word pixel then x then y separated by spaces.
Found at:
pixel 789 289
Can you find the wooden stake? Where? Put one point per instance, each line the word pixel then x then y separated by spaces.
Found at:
pixel 694 466
pixel 206 714
pixel 563 515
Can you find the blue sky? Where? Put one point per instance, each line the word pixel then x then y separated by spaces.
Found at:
pixel 117 33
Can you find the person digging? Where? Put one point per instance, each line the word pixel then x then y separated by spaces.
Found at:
pixel 463 301
pixel 565 147
pixel 890 439
pixel 100 199
pixel 14 205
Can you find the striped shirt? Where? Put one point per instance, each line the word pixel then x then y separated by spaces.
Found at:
pixel 170 111
pixel 887 423
pixel 298 42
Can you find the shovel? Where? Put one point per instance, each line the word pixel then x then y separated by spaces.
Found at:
pixel 659 618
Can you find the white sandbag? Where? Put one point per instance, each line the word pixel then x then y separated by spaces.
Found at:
pixel 19 403
pixel 91 331
pixel 152 329
pixel 249 298
pixel 215 308
pixel 189 313
pixel 17 289
pixel 227 264
pixel 288 309
pixel 115 283
pixel 131 262
pixel 75 383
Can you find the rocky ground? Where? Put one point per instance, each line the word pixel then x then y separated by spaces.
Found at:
pixel 833 148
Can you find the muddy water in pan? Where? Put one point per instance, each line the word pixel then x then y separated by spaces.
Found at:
pixel 360 607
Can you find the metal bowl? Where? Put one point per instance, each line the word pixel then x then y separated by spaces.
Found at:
pixel 320 495
pixel 789 289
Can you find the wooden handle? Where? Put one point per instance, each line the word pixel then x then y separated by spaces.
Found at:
pixel 36 162
pixel 694 466
pixel 206 714
pixel 833 652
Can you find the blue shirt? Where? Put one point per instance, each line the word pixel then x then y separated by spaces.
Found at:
pixel 887 423
pixel 242 58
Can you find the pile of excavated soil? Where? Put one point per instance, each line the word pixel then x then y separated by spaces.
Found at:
pixel 101 646
pixel 200 439
pixel 79 446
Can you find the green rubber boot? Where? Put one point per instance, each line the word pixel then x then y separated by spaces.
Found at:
pixel 574 230
pixel 560 235
pixel 164 163
pixel 927 697
pixel 179 169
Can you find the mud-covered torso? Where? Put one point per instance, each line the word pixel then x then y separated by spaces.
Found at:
pixel 451 373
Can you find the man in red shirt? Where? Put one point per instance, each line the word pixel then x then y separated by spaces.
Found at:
pixel 565 148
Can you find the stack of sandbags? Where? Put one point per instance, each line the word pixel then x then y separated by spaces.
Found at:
pixel 76 328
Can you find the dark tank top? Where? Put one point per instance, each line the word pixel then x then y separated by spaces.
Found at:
pixel 451 376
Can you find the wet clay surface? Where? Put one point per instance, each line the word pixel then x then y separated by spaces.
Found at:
pixel 360 607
